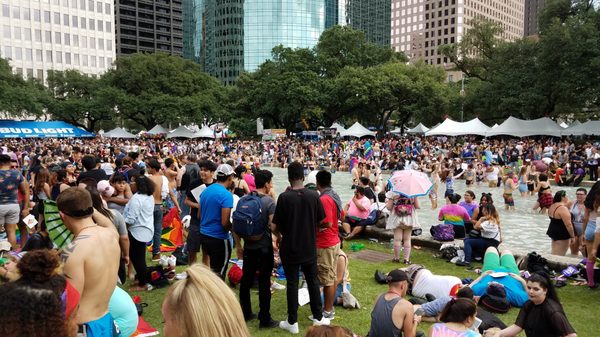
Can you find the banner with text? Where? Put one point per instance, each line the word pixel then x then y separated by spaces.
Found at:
pixel 26 129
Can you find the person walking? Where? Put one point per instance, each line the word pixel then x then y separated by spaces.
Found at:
pixel 298 216
pixel 12 182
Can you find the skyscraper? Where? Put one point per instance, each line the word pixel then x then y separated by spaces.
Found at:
pixel 149 26
pixel 236 35
pixel 38 36
pixel 533 8
pixel 371 17
pixel 420 27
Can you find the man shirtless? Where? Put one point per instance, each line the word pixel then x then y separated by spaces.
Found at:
pixel 91 261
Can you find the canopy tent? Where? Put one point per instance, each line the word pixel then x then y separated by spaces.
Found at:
pixel 396 131
pixel 522 128
pixel 563 125
pixel 181 132
pixel 418 130
pixel 357 130
pixel 205 132
pixel 453 128
pixel 27 129
pixel 339 128
pixel 157 130
pixel 588 128
pixel 118 133
pixel 572 125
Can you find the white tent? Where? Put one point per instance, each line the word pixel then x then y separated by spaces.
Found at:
pixel 157 129
pixel 591 128
pixel 522 128
pixel 118 133
pixel 453 128
pixel 418 130
pixel 357 130
pixel 205 132
pixel 337 127
pixel 397 130
pixel 181 132
pixel 563 125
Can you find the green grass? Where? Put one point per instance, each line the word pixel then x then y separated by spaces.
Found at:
pixel 580 304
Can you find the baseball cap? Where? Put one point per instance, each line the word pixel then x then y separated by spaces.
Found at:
pixel 225 170
pixel 105 188
pixel 396 275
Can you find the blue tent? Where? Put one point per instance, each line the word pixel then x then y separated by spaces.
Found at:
pixel 26 129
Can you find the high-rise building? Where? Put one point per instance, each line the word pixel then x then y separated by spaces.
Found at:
pixel 371 17
pixel 420 27
pixel 38 36
pixel 533 8
pixel 149 26
pixel 236 35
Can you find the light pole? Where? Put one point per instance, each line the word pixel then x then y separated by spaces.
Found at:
pixel 462 101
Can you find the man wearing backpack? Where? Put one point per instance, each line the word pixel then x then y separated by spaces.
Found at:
pixel 298 216
pixel 258 251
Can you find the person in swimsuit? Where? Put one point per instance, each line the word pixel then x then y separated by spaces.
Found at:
pixel 523 181
pixel 560 229
pixel 577 210
pixel 544 194
pixel 509 187
pixel 532 178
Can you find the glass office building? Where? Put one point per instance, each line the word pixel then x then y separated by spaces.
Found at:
pixel 229 37
pixel 373 17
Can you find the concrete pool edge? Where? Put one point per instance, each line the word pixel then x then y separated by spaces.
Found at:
pixel 555 262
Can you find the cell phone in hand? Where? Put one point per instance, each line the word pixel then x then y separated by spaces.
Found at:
pixel 476 324
pixel 419 312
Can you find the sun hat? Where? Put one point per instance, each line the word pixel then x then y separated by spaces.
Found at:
pixel 494 299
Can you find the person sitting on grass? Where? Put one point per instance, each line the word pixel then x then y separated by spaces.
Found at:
pixel 357 210
pixel 490 236
pixel 458 316
pixel 542 315
pixel 501 269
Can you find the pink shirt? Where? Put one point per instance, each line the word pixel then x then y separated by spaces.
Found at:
pixel 355 212
pixel 250 181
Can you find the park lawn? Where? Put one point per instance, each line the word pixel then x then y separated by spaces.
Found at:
pixel 580 303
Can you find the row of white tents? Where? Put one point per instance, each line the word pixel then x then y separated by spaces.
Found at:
pixel 180 132
pixel 514 127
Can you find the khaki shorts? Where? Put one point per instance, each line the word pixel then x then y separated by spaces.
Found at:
pixel 327 265
pixel 9 214
pixel 493 183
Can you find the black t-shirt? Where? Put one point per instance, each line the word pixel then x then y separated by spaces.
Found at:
pixel 370 194
pixel 544 320
pixel 96 174
pixel 195 215
pixel 268 208
pixel 297 216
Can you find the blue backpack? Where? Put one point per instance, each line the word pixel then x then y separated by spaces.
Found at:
pixel 249 222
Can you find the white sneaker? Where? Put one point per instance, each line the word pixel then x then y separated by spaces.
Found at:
pixel 291 328
pixel 164 261
pixel 172 260
pixel 277 286
pixel 324 321
pixel 181 276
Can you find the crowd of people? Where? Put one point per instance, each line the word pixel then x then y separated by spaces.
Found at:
pixel 112 196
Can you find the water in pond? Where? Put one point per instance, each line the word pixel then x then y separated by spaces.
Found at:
pixel 522 229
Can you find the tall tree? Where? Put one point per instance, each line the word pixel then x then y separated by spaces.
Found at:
pixel 18 97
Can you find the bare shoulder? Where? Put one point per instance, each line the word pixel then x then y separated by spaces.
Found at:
pixel 69 252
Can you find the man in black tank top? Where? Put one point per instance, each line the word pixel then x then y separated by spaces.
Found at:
pixel 392 315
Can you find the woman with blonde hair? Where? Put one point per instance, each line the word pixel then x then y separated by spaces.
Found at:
pixel 202 305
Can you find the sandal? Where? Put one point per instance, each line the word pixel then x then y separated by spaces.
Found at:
pixel 407 262
pixel 396 260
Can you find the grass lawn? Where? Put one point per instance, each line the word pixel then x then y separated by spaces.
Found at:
pixel 580 303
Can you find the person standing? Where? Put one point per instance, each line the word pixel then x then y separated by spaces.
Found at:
pixel 12 182
pixel 161 192
pixel 189 173
pixel 258 256
pixel 216 203
pixel 328 241
pixel 392 315
pixel 298 216
pixel 90 261
pixel 403 218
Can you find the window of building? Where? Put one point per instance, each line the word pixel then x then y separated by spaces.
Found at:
pixel 7 52
pixel 108 26
pixel 47 16
pixel 18 53
pixel 38 55
pixel 56 18
pixel 48 36
pixel 93 61
pixel 58 57
pixel 100 25
pixel 75 40
pixel 98 7
pixel 74 21
pixel 76 59
pixel 48 55
pixel 84 42
pixel 38 35
pixel 6 31
pixel 17 33
pixel 101 44
pixel 82 4
pixel 27 34
pixel 57 39
pixel 40 74
pixel 107 9
pixel 91 5
pixel 16 12
pixel 73 3
pixel 26 14
pixel 68 58
pixel 108 44
pixel 28 54
pixel 92 24
pixel 37 15
pixel 83 23
pixel 84 60
pixel 67 39
pixel 66 19
pixel 101 62
pixel 92 43
pixel 5 11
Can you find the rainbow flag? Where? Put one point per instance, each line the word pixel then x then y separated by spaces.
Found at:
pixel 353 162
pixel 172 232
pixel 368 152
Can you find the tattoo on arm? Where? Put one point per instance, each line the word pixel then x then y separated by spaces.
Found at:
pixel 68 250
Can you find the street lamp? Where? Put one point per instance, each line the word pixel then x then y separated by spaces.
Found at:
pixel 462 101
